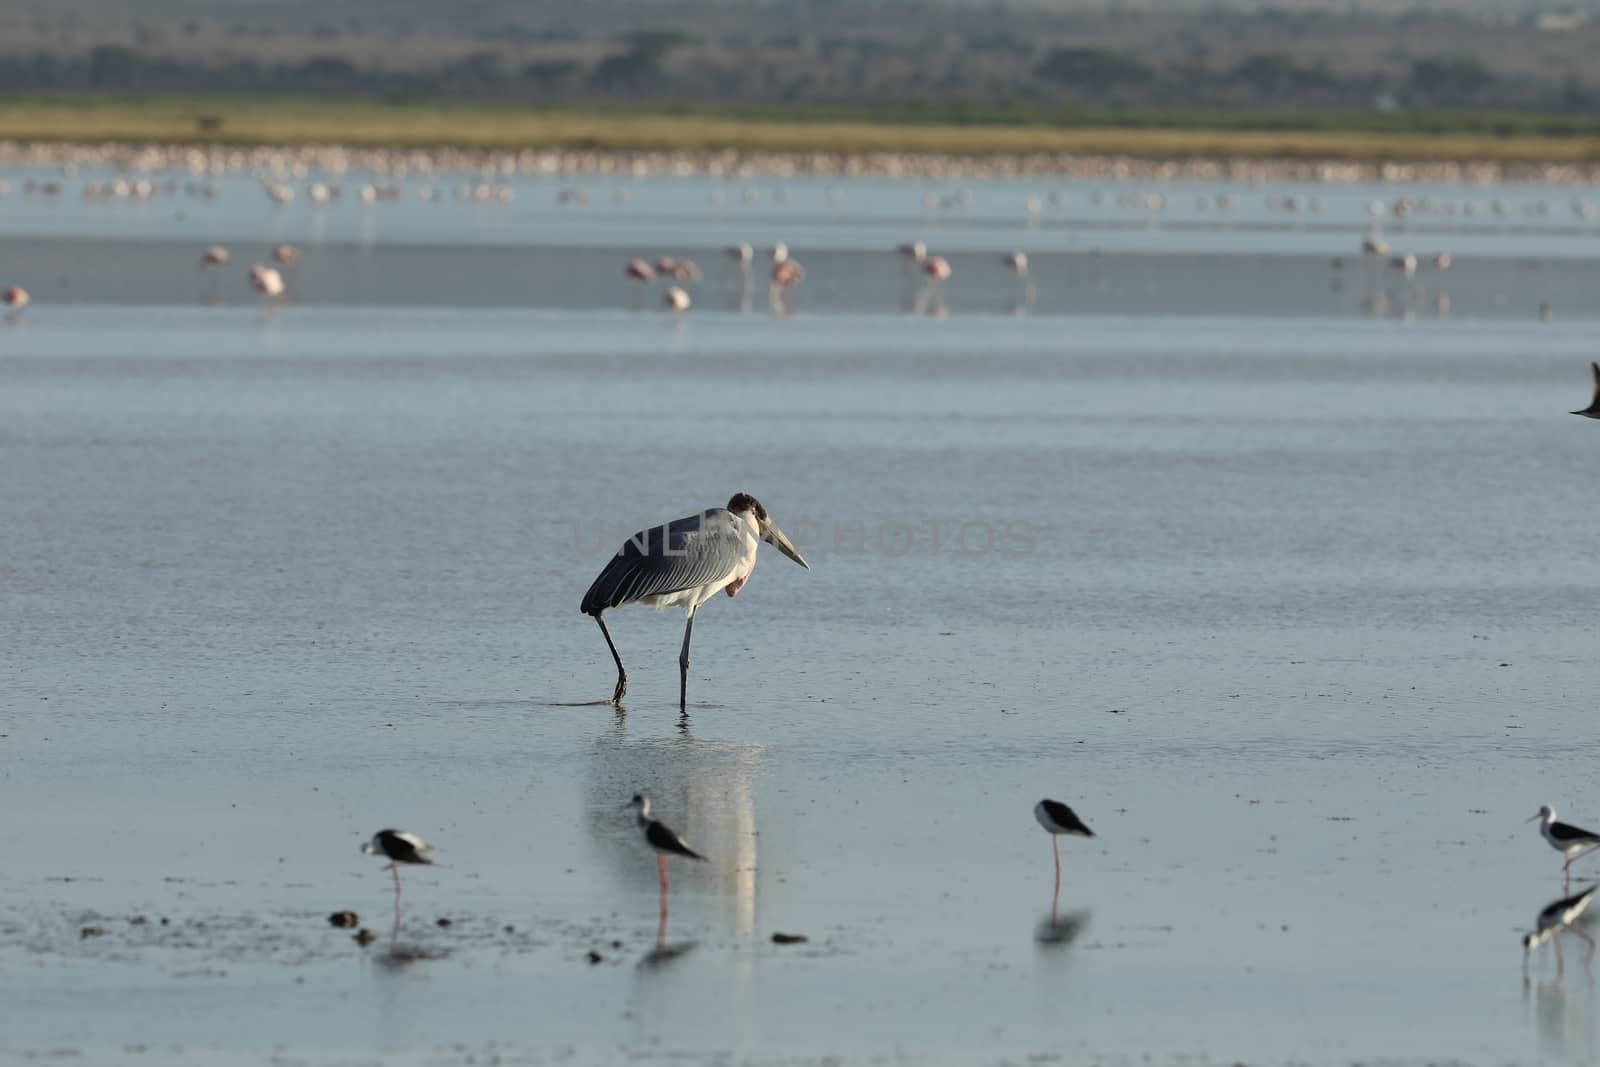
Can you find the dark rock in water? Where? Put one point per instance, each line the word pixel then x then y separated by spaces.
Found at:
pixel 789 939
pixel 616 944
pixel 90 931
pixel 344 919
pixel 442 922
pixel 364 936
pixel 165 921
pixel 138 920
pixel 594 957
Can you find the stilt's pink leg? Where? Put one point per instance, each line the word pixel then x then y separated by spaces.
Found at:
pixel 394 933
pixel 661 931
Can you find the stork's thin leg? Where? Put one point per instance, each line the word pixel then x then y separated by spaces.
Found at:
pixel 622 674
pixel 683 666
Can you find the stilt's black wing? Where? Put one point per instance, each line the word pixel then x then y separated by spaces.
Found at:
pixel 662 839
pixel 1065 818
pixel 1569 834
pixel 403 847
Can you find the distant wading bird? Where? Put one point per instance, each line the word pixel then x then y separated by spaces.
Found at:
pixel 1556 918
pixel 1593 410
pixel 397 847
pixel 684 564
pixel 1059 819
pixel 675 299
pixel 664 842
pixel 1565 838
pixel 266 281
pixel 641 272
pixel 215 256
pixel 15 299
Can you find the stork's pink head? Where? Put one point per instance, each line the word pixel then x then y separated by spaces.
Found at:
pixel 740 503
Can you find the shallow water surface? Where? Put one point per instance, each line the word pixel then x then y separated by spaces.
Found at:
pixel 1292 607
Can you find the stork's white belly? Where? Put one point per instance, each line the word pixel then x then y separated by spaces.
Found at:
pixel 739 527
pixel 687 598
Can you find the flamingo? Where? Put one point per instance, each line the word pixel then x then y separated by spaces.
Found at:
pixel 639 271
pixel 913 252
pixel 15 298
pixel 786 274
pixel 286 256
pixel 676 300
pixel 741 256
pixel 215 256
pixel 1017 264
pixel 266 281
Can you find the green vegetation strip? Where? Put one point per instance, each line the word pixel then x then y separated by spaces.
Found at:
pixel 954 130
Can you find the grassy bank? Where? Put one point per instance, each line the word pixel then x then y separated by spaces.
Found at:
pixel 953 131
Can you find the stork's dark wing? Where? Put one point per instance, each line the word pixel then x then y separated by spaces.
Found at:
pixel 662 839
pixel 683 554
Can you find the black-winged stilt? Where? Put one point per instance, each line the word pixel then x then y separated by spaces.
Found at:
pixel 663 841
pixel 398 847
pixel 1059 819
pixel 1569 840
pixel 1556 918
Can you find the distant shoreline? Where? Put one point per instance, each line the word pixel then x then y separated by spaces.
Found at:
pixel 373 135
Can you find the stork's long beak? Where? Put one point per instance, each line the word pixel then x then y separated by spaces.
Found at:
pixel 1535 815
pixel 775 537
